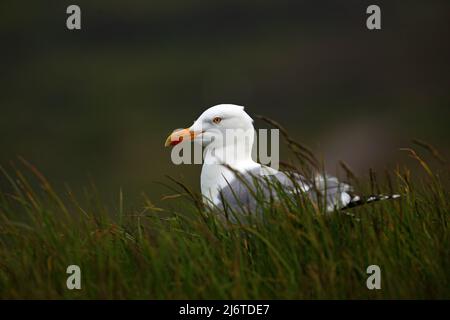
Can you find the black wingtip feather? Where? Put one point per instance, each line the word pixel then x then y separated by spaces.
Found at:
pixel 359 201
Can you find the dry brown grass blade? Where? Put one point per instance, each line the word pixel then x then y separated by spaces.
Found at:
pixel 374 187
pixel 173 196
pixel 289 166
pixel 348 171
pixel 414 155
pixel 198 203
pixel 306 153
pixel 45 184
pixel 434 152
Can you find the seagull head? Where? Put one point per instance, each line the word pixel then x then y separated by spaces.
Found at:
pixel 215 125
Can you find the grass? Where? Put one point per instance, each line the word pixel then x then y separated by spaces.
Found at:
pixel 184 251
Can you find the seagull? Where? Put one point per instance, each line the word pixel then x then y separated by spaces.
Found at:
pixel 230 177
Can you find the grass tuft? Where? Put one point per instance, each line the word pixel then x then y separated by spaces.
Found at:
pixel 186 251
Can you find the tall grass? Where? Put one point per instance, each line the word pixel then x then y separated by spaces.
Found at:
pixel 184 251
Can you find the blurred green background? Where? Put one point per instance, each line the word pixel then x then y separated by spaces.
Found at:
pixel 98 103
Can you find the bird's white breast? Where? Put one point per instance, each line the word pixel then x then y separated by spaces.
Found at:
pixel 214 177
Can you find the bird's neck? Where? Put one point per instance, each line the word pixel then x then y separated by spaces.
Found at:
pixel 216 173
pixel 227 155
pixel 231 149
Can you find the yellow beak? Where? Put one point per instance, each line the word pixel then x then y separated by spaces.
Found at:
pixel 181 135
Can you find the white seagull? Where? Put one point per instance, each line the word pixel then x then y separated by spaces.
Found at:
pixel 229 173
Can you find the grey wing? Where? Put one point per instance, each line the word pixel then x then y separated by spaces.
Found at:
pixel 240 193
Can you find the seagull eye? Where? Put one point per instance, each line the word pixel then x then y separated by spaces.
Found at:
pixel 217 120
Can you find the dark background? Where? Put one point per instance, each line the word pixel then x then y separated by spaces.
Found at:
pixel 98 103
